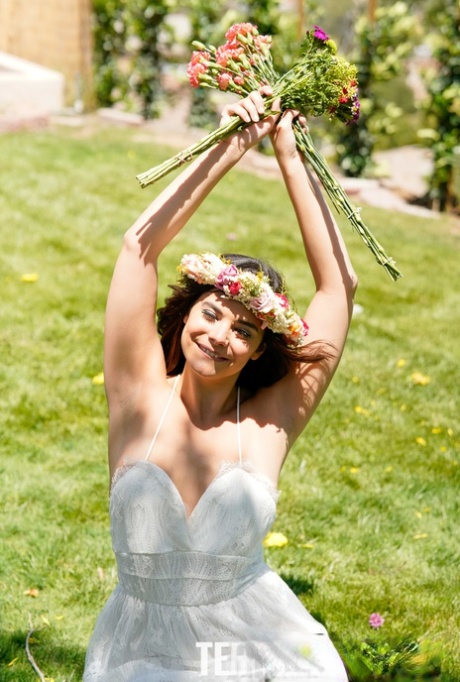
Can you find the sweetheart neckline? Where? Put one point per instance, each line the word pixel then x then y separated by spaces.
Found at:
pixel 224 468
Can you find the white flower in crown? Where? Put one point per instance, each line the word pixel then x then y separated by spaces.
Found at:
pixel 253 290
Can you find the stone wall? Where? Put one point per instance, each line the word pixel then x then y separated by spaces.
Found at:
pixel 55 34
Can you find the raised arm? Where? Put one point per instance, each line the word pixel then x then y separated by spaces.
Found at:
pixel 329 313
pixel 133 353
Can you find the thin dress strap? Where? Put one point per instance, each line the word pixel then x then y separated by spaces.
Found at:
pixel 240 454
pixel 163 417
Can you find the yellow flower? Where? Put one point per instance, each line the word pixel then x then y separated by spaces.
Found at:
pixel 29 277
pixel 401 362
pixel 420 536
pixel 388 469
pixel 420 441
pixel 420 379
pixel 275 540
pixel 362 410
pixel 436 429
pixel 403 408
pixel 354 470
pixel 355 380
pixel 98 380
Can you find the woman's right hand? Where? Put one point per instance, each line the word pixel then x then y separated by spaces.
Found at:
pixel 251 109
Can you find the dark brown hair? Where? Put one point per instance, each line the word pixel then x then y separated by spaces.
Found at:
pixel 277 357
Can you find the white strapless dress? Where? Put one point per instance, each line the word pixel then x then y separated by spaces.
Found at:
pixel 195 600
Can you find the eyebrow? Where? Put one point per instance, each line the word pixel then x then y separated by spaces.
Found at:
pixel 246 323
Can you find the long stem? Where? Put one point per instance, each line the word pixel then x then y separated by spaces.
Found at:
pixel 341 201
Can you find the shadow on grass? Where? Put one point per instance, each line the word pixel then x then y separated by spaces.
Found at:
pixel 299 586
pixel 52 657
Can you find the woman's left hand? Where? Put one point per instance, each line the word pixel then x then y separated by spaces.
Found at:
pixel 282 135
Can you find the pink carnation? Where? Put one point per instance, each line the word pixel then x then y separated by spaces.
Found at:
pixel 228 51
pixel 224 80
pixel 243 29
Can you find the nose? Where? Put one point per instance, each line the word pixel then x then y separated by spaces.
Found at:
pixel 219 333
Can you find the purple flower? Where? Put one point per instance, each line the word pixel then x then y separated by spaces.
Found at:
pixel 320 34
pixel 376 620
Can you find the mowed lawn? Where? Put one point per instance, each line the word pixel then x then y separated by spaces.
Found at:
pixel 369 503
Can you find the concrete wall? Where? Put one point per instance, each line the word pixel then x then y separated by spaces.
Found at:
pixel 55 34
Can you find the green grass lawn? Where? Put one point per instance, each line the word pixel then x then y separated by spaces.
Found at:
pixel 369 500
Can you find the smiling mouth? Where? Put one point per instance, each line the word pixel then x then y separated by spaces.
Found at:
pixel 211 354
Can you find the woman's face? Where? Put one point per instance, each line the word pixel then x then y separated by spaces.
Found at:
pixel 220 336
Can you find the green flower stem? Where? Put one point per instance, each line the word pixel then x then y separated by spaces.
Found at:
pixel 341 201
pixel 234 124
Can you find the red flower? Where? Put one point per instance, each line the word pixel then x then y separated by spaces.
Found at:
pixel 234 288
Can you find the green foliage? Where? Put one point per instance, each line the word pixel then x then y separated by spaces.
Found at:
pixel 443 105
pixel 369 499
pixel 131 38
pixel 382 47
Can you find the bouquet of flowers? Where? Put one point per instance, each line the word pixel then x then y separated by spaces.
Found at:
pixel 319 83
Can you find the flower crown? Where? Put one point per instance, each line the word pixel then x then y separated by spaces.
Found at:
pixel 253 290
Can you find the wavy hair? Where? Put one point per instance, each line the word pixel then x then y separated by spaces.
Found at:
pixel 275 361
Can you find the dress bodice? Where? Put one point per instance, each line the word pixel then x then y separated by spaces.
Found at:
pixel 217 548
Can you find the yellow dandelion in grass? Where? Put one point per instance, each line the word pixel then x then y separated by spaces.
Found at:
pixel 29 277
pixel 362 410
pixel 420 441
pixel 354 470
pixel 98 380
pixel 420 536
pixel 443 448
pixel 388 469
pixel 355 380
pixel 420 379
pixel 275 540
pixel 436 429
pixel 401 362
pixel 450 432
pixel 403 408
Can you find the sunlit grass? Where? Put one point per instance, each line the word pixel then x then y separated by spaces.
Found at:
pixel 369 498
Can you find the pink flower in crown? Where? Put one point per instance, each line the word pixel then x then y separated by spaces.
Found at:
pixel 283 301
pixel 226 276
pixel 238 80
pixel 263 303
pixel 195 267
pixel 224 80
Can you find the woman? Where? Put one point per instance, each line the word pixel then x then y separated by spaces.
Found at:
pixel 199 428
